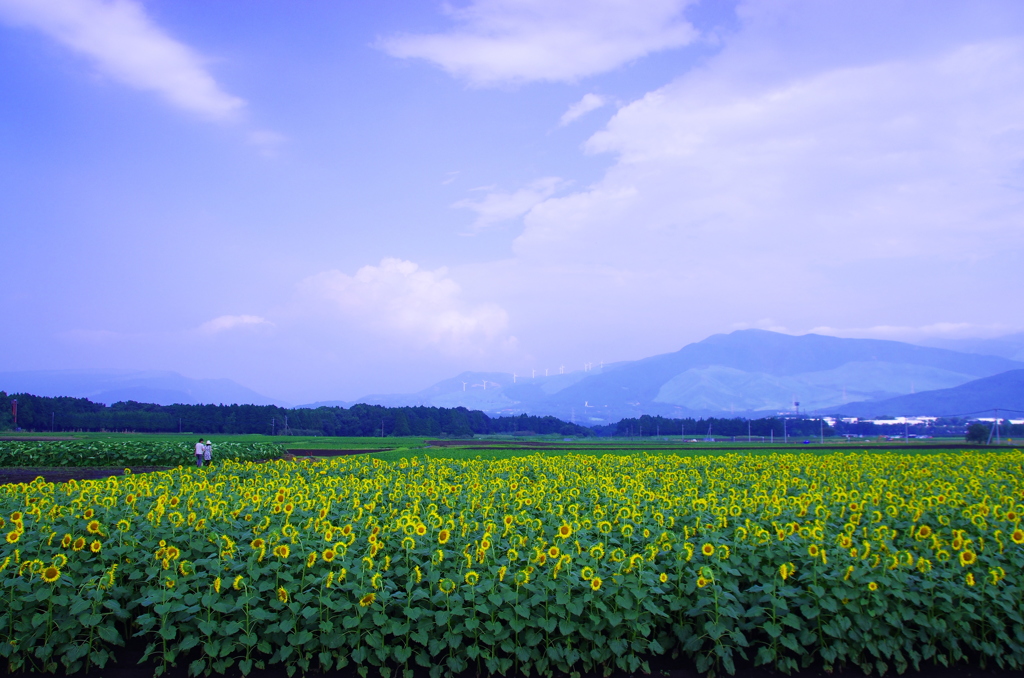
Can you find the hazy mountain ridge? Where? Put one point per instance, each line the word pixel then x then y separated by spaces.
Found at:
pixel 745 373
pixel 977 398
pixel 150 386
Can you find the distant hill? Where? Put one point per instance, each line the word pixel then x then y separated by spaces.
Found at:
pixel 110 386
pixel 745 373
pixel 1009 346
pixel 1003 391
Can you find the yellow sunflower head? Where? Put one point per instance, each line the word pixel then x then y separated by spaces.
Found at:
pixel 50 574
pixel 707 550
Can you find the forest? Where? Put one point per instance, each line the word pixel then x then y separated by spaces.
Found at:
pixel 38 413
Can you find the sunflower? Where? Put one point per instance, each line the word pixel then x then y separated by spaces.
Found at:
pixel 443 536
pixel 472 578
pixel 95 546
pixel 66 541
pixel 78 544
pixel 446 586
pixel 872 586
pixel 702 582
pixel 553 552
pixel 216 584
pixel 597 552
pixel 969 579
pixel 329 555
pixel 50 574
pixel 813 550
pixel 968 557
pixel 257 544
pixel 587 573
pixel 282 551
pixel 93 527
pixel 786 570
pixel 408 543
pixel 707 550
pixel 604 527
pixel 282 594
pixel 627 530
pixel 419 573
pixel 89 513
pixel 924 532
pixel 60 560
pixel 13 536
pixel 565 531
pixel 421 530
pixel 522 578
pixel 367 600
pixel 1017 536
pixel 377 581
pixel 663 578
pixel 123 525
pixel 237 583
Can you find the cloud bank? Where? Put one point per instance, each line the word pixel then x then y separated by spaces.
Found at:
pixel 518 41
pixel 424 307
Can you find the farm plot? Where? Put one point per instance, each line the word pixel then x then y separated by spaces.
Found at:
pixel 531 564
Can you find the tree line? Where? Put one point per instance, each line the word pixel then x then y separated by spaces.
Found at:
pixel 40 413
pixel 768 427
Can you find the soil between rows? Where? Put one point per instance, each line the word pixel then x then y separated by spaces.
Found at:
pixel 127 666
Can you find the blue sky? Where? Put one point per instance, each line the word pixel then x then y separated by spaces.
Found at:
pixel 324 200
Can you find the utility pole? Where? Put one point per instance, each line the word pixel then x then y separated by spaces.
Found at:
pixel 179 425
pixel 286 424
pixel 273 426
pixel 53 417
pixel 785 433
pixel 822 422
pixel 748 430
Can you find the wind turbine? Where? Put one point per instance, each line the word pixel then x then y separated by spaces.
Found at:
pixel 464 385
pixel 513 377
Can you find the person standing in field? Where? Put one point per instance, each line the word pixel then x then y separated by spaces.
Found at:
pixel 208 452
pixel 200 452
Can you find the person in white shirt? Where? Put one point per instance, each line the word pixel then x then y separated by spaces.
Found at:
pixel 200 452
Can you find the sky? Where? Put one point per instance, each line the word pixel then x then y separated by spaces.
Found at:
pixel 327 200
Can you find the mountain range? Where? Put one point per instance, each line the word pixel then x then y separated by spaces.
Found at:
pixel 111 386
pixel 750 373
pixel 977 398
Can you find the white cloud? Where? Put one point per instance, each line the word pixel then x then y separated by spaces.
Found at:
pixel 124 44
pixel 589 102
pixel 500 41
pixel 499 206
pixel 399 297
pixel 893 161
pixel 942 330
pixel 230 322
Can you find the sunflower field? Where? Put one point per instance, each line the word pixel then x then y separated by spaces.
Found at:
pixel 531 565
pixel 123 453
